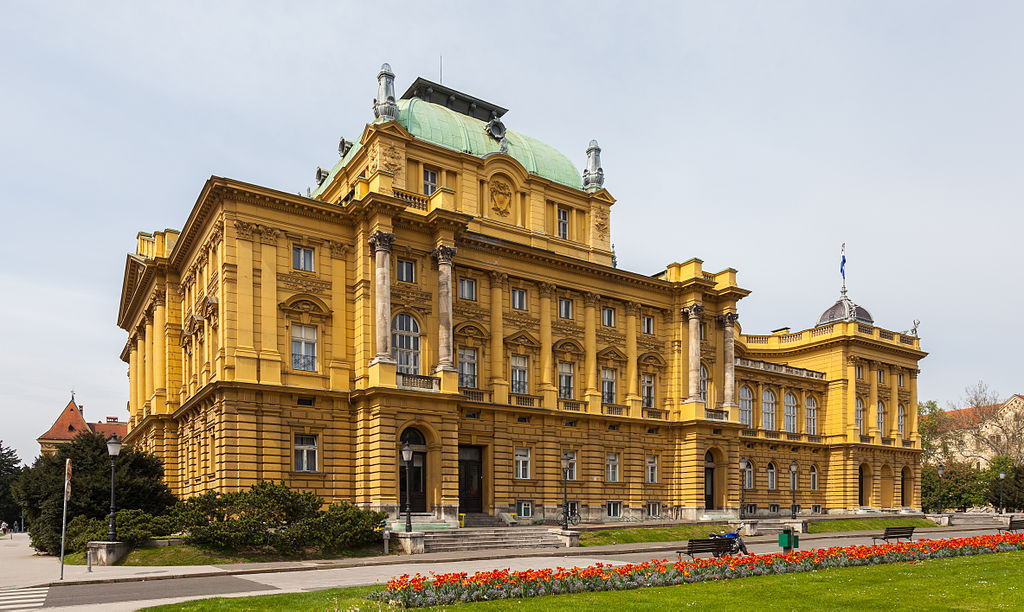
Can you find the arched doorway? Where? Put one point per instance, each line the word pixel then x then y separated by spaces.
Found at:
pixel 906 487
pixel 864 485
pixel 417 488
pixel 886 485
pixel 709 481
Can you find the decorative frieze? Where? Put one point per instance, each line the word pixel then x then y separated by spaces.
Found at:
pixel 412 299
pixel 304 283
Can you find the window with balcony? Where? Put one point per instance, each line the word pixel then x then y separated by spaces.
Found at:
pixel 901 416
pixel 768 410
pixel 746 406
pixel 881 418
pixel 702 385
pixel 789 413
pixel 566 381
pixel 608 385
pixel 858 415
pixel 304 347
pixel 520 375
pixel 429 181
pixel 467 368
pixel 405 344
pixel 811 418
pixel 647 390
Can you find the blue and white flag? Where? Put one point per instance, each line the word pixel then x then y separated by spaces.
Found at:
pixel 842 263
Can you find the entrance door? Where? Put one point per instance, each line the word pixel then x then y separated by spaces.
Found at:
pixel 471 479
pixel 418 499
pixel 861 498
pixel 709 481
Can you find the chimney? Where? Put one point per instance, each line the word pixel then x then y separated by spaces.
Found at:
pixel 111 419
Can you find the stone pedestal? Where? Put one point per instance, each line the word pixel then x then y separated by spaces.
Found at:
pixel 410 541
pixel 568 537
pixel 107 553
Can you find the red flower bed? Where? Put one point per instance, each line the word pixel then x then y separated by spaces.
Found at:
pixel 442 589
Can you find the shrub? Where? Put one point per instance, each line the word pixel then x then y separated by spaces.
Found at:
pixel 133 527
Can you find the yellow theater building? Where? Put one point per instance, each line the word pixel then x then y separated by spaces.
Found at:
pixel 450 285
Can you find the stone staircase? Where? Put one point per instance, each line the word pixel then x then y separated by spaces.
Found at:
pixel 480 519
pixel 976 519
pixel 489 538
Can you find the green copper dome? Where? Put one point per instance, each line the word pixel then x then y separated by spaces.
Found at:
pixel 448 128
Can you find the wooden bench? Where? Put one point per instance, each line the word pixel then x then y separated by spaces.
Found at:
pixel 895 533
pixel 1016 524
pixel 715 546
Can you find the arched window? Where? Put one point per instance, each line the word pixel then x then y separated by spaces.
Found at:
pixel 811 418
pixel 405 343
pixel 746 406
pixel 702 386
pixel 748 476
pixel 771 476
pixel 768 410
pixel 901 416
pixel 814 478
pixel 858 416
pixel 881 418
pixel 413 437
pixel 789 415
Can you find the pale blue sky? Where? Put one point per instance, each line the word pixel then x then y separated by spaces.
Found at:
pixel 753 135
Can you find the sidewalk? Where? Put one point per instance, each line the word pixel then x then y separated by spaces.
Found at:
pixel 22 568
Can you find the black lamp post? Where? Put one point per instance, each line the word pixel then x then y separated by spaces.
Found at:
pixel 113 449
pixel 792 486
pixel 565 491
pixel 941 469
pixel 1002 477
pixel 407 457
pixel 743 484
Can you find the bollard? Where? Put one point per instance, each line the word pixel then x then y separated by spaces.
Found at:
pixel 387 540
pixel 88 559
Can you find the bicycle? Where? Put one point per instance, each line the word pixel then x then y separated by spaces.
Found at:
pixel 574 519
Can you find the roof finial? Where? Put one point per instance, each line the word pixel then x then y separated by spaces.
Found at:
pixel 384 106
pixel 593 175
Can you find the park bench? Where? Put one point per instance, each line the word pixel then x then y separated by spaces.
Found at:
pixel 715 546
pixel 895 533
pixel 1016 524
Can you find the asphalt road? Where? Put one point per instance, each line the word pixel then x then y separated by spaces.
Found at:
pixel 126 596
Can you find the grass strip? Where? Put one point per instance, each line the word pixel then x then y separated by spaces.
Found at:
pixel 634 535
pixel 866 524
pixel 185 554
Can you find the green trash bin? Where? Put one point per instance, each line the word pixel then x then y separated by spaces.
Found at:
pixel 783 539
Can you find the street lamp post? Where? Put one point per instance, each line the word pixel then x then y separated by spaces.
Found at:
pixel 407 457
pixel 792 486
pixel 743 484
pixel 113 449
pixel 565 491
pixel 941 469
pixel 1002 477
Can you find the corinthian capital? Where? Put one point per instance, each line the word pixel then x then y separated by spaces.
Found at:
pixel 381 241
pixel 693 311
pixel 728 319
pixel 497 278
pixel 444 254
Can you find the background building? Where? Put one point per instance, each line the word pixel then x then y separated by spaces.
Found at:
pixel 71 422
pixel 979 434
pixel 450 284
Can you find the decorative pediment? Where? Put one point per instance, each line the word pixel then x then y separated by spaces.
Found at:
pixel 653 359
pixel 522 338
pixel 471 330
pixel 568 346
pixel 612 353
pixel 305 308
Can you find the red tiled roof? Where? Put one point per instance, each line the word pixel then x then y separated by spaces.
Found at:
pixel 109 429
pixel 71 422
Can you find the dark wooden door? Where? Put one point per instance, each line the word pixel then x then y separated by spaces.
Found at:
pixel 418 497
pixel 709 481
pixel 471 479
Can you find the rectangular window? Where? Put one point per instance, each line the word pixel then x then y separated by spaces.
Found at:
pixel 467 289
pixel 607 385
pixel 608 316
pixel 524 509
pixel 520 380
pixel 574 507
pixel 564 308
pixel 614 509
pixel 860 372
pixel 302 258
pixel 304 348
pixel 570 472
pixel 648 325
pixel 522 464
pixel 703 331
pixel 519 299
pixel 899 379
pixel 467 368
pixel 305 453
pixel 563 223
pixel 566 381
pixel 647 390
pixel 406 271
pixel 773 508
pixel 652 469
pixel 881 377
pixel 429 181
pixel 653 509
pixel 611 467
pixel 751 509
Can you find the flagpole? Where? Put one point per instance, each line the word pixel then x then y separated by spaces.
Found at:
pixel 64 518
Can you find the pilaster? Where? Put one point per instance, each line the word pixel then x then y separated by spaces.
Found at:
pixel 270 357
pixel 499 383
pixel 591 392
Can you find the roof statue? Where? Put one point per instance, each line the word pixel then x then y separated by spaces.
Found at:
pixel 593 176
pixel 384 107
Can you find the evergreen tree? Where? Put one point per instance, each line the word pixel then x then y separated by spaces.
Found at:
pixel 10 469
pixel 40 489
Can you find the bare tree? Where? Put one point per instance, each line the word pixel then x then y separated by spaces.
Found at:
pixel 982 427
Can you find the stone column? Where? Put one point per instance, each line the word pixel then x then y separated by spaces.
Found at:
pixel 133 377
pixel 380 243
pixel 445 351
pixel 911 423
pixel 632 378
pixel 728 321
pixel 871 410
pixel 693 313
pixel 159 350
pixel 498 384
pixel 150 357
pixel 590 322
pixel 547 291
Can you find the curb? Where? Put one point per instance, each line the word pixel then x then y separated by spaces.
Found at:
pixel 582 551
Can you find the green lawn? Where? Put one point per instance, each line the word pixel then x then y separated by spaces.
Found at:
pixel 192 555
pixel 866 524
pixel 981 582
pixel 648 534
